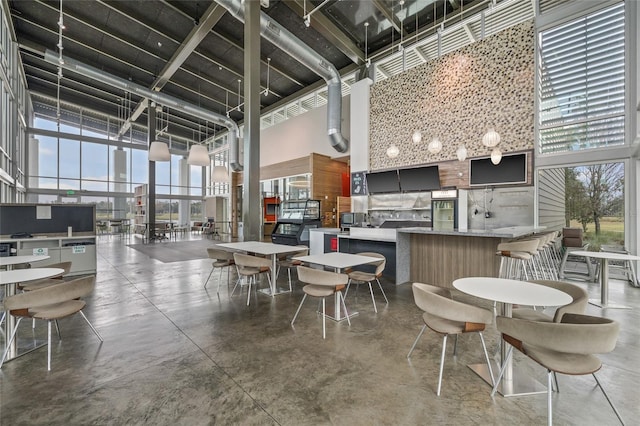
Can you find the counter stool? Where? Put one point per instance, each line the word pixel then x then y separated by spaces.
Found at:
pixel 516 259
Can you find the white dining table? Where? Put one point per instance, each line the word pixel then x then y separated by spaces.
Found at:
pixel 604 257
pixel 11 261
pixel 338 261
pixel 265 249
pixel 509 292
pixel 9 279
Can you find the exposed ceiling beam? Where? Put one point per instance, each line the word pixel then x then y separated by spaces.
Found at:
pixel 207 21
pixel 388 13
pixel 331 32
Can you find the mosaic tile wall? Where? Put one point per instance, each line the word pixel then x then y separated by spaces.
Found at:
pixel 457 98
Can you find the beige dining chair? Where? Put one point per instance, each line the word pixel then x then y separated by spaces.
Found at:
pixel 448 317
pixel 249 267
pixel 566 347
pixel 46 282
pixel 50 304
pixel 361 277
pixel 322 284
pixel 577 306
pixel 288 261
pixel 221 259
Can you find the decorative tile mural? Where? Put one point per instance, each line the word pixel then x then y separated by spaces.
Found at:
pixel 457 98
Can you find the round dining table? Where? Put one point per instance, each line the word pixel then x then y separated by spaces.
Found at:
pixel 9 279
pixel 509 292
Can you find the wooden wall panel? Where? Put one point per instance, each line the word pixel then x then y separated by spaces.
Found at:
pixel 326 185
pixel 293 167
pixel 440 259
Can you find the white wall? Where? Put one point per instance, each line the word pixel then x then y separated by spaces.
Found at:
pixel 301 135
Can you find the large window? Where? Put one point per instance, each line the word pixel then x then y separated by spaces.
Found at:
pixel 581 83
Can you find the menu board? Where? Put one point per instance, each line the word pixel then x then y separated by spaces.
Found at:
pixel 358 184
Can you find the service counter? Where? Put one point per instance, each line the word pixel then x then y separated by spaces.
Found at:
pixel 378 240
pixel 440 257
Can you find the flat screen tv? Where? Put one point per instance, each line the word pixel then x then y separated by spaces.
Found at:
pixel 512 169
pixel 419 179
pixel 383 182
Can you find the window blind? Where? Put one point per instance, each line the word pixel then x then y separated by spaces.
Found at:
pixel 581 83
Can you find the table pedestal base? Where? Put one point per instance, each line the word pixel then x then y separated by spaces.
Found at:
pixel 608 305
pixel 268 291
pixel 25 346
pixel 519 384
pixel 331 313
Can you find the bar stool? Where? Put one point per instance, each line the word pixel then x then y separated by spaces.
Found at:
pixel 516 259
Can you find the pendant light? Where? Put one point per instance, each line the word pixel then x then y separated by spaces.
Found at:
pixel 158 150
pixel 393 151
pixel 496 156
pixel 220 174
pixel 198 155
pixel 435 146
pixel 491 139
pixel 461 153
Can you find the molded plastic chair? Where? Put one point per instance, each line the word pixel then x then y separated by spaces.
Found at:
pixel 50 304
pixel 321 284
pixel 577 306
pixel 567 347
pixel 359 277
pixel 249 267
pixel 449 317
pixel 221 259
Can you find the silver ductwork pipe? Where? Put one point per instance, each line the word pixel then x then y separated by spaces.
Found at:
pixel 285 40
pixel 161 98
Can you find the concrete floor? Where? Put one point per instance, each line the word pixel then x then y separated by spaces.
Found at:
pixel 175 353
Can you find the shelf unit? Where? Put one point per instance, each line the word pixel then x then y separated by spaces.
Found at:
pixel 140 218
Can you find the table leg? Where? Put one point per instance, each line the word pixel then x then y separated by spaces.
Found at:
pixel 273 289
pixel 337 312
pixel 18 347
pixel 604 288
pixel 514 382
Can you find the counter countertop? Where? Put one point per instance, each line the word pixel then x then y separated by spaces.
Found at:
pixel 47 238
pixel 507 232
pixel 368 238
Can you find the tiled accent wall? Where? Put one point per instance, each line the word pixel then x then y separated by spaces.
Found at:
pixel 457 98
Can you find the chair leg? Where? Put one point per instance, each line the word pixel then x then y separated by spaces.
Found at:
pixel 58 330
pixel 415 342
pixel 13 336
pixel 347 289
pixel 49 345
pixel 372 298
pixel 608 400
pixel 555 379
pixel 502 370
pixel 252 278
pixel 211 272
pixel 324 320
pixel 455 347
pixel 289 275
pixel 91 325
pixel 383 294
pixel 444 350
pixel 298 310
pixel 549 400
pixel 344 306
pixel 486 357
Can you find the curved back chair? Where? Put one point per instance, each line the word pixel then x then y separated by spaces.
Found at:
pixel 321 284
pixel 249 267
pixel 289 262
pixel 50 304
pixel 567 347
pixel 359 277
pixel 516 258
pixel 46 282
pixel 577 306
pixel 221 259
pixel 448 317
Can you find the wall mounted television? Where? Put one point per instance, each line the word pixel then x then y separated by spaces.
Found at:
pixel 383 182
pixel 512 169
pixel 419 179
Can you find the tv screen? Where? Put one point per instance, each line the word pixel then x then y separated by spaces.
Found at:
pixel 383 182
pixel 419 179
pixel 510 170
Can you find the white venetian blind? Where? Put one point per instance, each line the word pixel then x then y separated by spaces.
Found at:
pixel 582 82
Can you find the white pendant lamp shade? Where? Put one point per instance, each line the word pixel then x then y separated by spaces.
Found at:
pixel 220 174
pixel 491 139
pixel 416 137
pixel 435 146
pixel 159 151
pixel 496 156
pixel 198 156
pixel 461 153
pixel 393 151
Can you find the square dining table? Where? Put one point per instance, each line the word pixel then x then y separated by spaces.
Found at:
pixel 338 261
pixel 265 249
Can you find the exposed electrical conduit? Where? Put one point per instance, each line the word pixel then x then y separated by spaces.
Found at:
pixel 285 40
pixel 161 98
